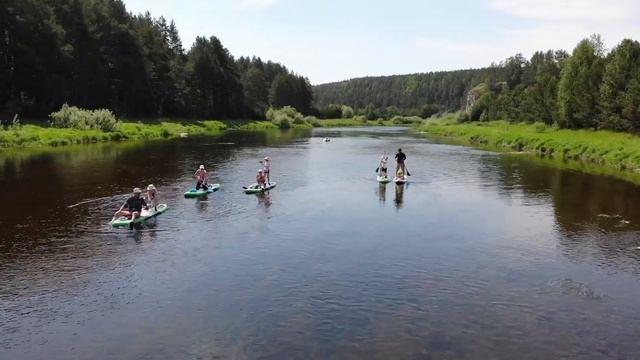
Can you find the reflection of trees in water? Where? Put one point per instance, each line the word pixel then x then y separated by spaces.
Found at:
pixel 264 138
pixel 578 199
pixel 77 173
pixel 593 212
pixel 399 196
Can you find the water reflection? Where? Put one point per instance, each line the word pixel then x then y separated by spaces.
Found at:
pixel 381 192
pixel 488 258
pixel 202 204
pixel 399 199
pixel 264 200
pixel 597 216
pixel 579 200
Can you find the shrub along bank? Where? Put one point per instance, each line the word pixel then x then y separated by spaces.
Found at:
pixel 605 148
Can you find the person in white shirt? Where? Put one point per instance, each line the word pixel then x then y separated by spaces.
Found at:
pixel 266 167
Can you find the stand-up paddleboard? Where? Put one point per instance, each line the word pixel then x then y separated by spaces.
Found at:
pixel 201 192
pixel 384 179
pixel 255 188
pixel 144 216
pixel 400 180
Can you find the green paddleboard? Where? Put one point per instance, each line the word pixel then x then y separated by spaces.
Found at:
pixel 254 189
pixel 200 192
pixel 144 216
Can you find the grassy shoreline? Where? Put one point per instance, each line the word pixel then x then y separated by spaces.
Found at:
pixel 616 154
pixel 36 135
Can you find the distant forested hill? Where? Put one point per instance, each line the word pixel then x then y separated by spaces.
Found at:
pixel 589 88
pixel 447 90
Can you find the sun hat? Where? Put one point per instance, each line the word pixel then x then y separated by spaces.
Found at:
pixel 151 187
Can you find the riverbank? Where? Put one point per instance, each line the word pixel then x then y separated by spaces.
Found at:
pixel 36 135
pixel 619 152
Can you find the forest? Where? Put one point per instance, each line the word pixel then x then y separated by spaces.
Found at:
pixel 95 54
pixel 589 88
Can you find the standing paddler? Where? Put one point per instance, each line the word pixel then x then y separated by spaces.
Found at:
pixel 203 177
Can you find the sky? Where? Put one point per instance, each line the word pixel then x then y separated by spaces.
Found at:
pixel 331 40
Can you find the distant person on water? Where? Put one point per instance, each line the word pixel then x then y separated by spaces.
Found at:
pixel 266 168
pixel 260 179
pixel 400 158
pixel 383 165
pixel 152 197
pixel 133 206
pixel 202 176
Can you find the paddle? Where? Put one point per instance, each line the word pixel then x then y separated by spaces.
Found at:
pixel 121 207
pixel 408 173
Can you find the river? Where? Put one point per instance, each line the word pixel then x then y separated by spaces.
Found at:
pixel 479 256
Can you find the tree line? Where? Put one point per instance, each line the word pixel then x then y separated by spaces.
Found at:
pixel 95 54
pixel 589 88
pixel 413 94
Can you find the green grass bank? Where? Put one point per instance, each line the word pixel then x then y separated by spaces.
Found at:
pixel 617 152
pixel 41 135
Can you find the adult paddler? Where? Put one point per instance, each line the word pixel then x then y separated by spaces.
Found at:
pixel 400 158
pixel 202 177
pixel 134 206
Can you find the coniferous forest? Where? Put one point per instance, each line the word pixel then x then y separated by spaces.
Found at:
pixel 96 54
pixel 592 87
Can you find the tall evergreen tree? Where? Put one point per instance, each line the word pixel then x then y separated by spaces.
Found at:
pixel 620 99
pixel 578 90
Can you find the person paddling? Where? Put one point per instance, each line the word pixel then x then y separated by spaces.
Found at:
pixel 400 158
pixel 383 165
pixel 266 168
pixel 134 206
pixel 202 176
pixel 152 197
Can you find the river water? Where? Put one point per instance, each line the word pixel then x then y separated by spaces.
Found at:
pixel 479 256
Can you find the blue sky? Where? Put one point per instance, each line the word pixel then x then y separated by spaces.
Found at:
pixel 332 40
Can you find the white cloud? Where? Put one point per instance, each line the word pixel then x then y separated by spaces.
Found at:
pixel 545 25
pixel 572 10
pixel 255 3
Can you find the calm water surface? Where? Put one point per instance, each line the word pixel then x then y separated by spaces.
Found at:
pixel 480 256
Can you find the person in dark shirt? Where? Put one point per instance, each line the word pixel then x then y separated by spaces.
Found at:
pixel 134 206
pixel 400 158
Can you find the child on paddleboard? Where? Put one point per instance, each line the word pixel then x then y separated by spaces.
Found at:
pixel 202 176
pixel 260 179
pixel 152 197
pixel 383 164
